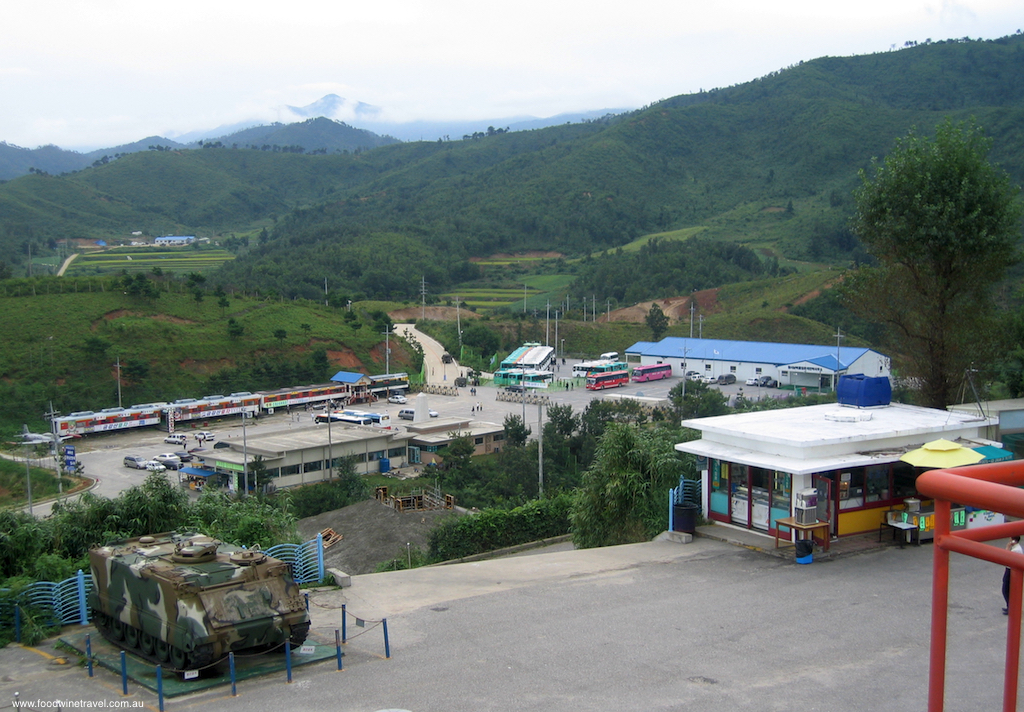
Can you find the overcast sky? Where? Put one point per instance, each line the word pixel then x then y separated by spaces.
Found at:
pixel 97 73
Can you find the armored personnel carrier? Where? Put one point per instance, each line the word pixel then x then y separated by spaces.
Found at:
pixel 189 600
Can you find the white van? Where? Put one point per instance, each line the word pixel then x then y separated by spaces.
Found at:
pixel 176 439
pixel 610 356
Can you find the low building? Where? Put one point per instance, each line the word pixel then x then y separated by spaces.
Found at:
pixel 427 438
pixel 754 464
pixel 792 365
pixel 303 455
pixel 174 240
pixel 360 386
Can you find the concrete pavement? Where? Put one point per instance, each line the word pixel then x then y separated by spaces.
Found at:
pixel 656 626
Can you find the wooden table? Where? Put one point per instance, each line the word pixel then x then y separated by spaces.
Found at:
pixel 791 523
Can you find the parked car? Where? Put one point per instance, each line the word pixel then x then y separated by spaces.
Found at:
pixel 708 379
pixel 154 466
pixel 135 461
pixel 168 460
pixel 516 388
pixel 726 379
pixel 205 435
pixel 185 456
pixel 693 375
pixel 397 398
pixel 176 439
pixel 755 381
pixel 432 413
pixel 407 414
pixel 768 382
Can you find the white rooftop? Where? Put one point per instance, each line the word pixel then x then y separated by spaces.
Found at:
pixel 830 436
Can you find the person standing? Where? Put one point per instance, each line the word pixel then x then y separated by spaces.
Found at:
pixel 1014 547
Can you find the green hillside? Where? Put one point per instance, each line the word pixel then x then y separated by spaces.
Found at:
pixel 170 346
pixel 769 164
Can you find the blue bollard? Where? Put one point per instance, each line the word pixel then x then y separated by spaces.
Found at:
pixel 88 652
pixel 337 645
pixel 231 663
pixel 160 686
pixel 343 623
pixel 124 674
pixel 288 659
pixel 387 645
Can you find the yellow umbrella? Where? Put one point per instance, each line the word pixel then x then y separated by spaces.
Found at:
pixel 942 454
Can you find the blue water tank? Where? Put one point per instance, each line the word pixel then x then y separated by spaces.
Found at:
pixel 385 464
pixel 862 391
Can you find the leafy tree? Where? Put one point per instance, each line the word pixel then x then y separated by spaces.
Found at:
pixel 622 497
pixel 943 224
pixel 235 330
pixel 516 431
pixel 657 322
pixel 695 399
pixel 280 334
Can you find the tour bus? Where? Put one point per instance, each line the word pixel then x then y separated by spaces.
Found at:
pixel 609 379
pixel 599 366
pixel 653 372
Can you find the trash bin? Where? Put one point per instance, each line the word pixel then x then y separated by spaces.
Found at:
pixel 804 551
pixel 684 517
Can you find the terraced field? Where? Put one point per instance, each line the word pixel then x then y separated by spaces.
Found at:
pixel 535 290
pixel 143 259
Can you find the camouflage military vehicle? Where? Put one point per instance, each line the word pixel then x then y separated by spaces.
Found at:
pixel 189 600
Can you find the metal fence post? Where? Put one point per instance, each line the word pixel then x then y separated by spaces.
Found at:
pixel 83 609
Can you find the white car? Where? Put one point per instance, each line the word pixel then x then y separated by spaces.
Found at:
pixel 752 381
pixel 168 460
pixel 154 466
pixel 176 439
pixel 708 379
pixel 400 399
pixel 205 435
pixel 432 413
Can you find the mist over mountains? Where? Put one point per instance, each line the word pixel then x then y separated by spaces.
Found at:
pixel 332 124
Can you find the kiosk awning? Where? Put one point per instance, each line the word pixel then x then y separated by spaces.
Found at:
pixel 196 472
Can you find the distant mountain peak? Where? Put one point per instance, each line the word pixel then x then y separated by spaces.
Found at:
pixel 336 107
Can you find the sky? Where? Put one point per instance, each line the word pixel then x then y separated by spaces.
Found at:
pixel 86 74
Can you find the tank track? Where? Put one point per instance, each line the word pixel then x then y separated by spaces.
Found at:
pixel 135 641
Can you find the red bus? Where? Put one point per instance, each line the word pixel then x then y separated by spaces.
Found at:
pixel 654 372
pixel 612 379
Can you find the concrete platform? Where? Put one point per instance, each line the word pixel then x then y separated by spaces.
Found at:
pixel 142 672
pixel 764 543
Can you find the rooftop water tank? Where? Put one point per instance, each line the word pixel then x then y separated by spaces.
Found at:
pixel 860 391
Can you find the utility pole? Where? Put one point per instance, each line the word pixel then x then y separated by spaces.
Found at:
pixel 524 297
pixel 458 324
pixel 835 375
pixel 547 325
pixel 118 365
pixel 608 311
pixel 691 317
pixel 556 333
pixel 423 297
pixel 28 480
pixel 540 450
pixel 700 325
pixel 387 353
pixel 593 310
pixel 245 455
pixel 326 303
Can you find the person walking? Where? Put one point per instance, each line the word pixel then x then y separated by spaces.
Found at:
pixel 1014 547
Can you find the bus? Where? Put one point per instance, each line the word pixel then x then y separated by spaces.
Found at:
pixel 599 366
pixel 530 378
pixel 609 379
pixel 653 372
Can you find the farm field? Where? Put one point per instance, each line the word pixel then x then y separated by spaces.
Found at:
pixel 536 290
pixel 143 259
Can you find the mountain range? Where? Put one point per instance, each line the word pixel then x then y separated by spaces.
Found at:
pixel 337 132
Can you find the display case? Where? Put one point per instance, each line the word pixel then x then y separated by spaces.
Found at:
pixel 924 520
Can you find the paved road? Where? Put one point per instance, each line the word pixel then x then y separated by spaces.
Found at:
pixel 698 627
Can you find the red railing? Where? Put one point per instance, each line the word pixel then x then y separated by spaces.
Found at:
pixel 993 487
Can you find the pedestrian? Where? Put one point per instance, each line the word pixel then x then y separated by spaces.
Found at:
pixel 1013 546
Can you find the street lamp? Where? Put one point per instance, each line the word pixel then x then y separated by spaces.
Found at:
pixel 28 479
pixel 330 441
pixel 245 455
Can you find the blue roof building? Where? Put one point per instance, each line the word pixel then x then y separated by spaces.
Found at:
pixel 797 365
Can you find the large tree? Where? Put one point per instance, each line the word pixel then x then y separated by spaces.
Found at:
pixel 943 225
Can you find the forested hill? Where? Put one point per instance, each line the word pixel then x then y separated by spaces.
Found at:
pixel 770 163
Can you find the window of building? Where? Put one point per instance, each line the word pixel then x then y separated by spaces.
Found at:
pixel 498 437
pixel 757 370
pixel 375 455
pixel 314 466
pixel 478 441
pixel 396 452
pixel 732 369
pixel 290 470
